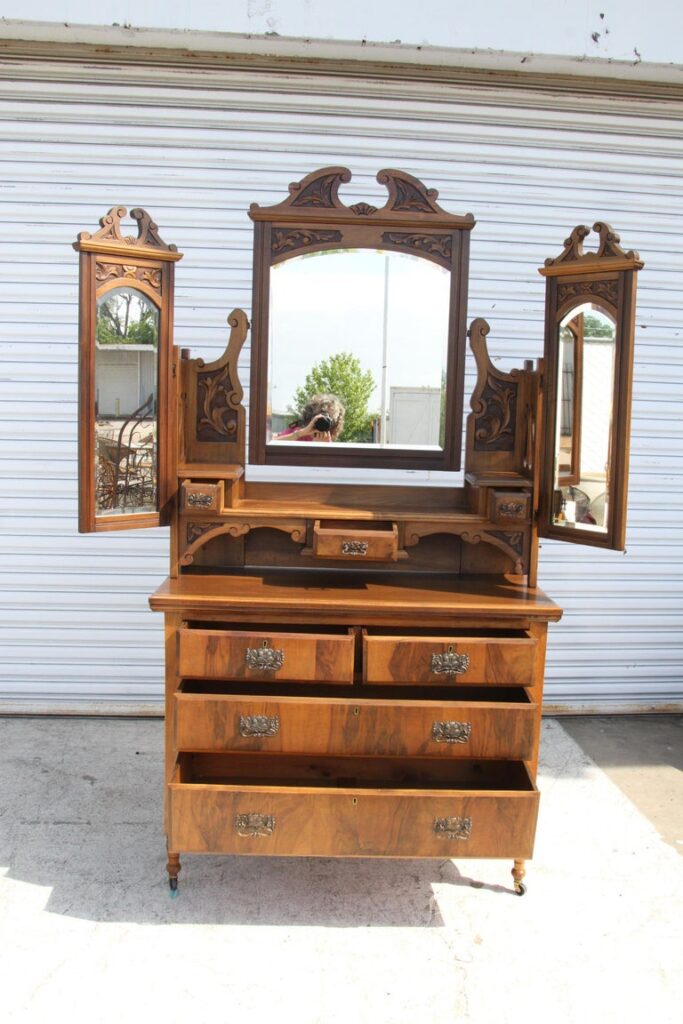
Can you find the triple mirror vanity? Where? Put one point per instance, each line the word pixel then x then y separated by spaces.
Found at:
pixel 353 669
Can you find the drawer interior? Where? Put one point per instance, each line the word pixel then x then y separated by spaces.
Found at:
pixel 339 772
pixel 356 694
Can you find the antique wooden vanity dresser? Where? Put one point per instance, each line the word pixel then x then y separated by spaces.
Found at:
pixel 354 668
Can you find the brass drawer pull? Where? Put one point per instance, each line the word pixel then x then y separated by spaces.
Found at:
pixel 265 658
pixel 259 725
pixel 250 825
pixel 451 732
pixel 449 663
pixel 453 828
pixel 354 547
pixel 198 500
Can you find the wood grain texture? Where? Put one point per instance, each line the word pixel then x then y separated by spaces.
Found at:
pixel 306 657
pixel 405 660
pixel 318 725
pixel 352 822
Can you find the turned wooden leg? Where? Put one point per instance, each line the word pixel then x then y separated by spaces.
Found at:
pixel 518 873
pixel 173 868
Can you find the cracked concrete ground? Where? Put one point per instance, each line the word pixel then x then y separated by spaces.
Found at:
pixel 87 928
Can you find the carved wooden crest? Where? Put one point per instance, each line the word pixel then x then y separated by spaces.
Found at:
pixel 111 237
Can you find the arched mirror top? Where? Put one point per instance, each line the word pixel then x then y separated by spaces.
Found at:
pixel 378 292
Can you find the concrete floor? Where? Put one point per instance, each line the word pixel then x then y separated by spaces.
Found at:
pixel 88 931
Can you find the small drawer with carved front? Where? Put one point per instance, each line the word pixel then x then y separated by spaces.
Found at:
pixel 355 541
pixel 201 497
pixel 444 660
pixel 264 656
pixel 509 507
pixel 367 807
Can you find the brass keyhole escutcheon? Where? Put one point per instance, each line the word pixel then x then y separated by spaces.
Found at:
pixel 356 711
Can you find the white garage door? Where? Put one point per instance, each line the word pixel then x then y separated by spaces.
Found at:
pixel 196 146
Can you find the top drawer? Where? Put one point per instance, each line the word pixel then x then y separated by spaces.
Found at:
pixel 260 656
pixel 435 660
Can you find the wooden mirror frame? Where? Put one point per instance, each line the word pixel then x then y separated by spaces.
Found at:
pixel 313 219
pixel 607 279
pixel 108 260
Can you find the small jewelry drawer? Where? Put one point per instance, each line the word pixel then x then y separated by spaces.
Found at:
pixel 263 656
pixel 352 807
pixel 509 507
pixel 475 727
pixel 445 660
pixel 202 497
pixel 354 541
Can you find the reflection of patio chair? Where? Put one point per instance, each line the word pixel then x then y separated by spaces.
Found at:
pixel 126 464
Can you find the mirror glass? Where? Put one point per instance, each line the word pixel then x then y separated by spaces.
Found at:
pixel 126 373
pixel 369 327
pixel 583 431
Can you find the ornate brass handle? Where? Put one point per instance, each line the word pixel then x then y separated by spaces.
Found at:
pixel 354 547
pixel 451 732
pixel 250 825
pixel 197 499
pixel 259 725
pixel 265 658
pixel 449 663
pixel 453 828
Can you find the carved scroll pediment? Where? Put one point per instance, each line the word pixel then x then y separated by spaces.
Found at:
pixel 609 250
pixel 112 234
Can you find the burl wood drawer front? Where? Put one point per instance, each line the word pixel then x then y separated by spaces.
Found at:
pixel 444 660
pixel 266 657
pixel 347 822
pixel 208 722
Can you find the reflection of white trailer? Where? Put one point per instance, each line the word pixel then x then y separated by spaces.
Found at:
pixel 414 416
pixel 125 377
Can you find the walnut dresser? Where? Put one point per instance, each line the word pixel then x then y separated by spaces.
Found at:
pixel 355 640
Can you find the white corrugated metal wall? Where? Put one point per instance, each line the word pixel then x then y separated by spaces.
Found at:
pixel 195 147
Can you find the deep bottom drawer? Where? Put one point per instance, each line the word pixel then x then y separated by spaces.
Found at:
pixel 370 807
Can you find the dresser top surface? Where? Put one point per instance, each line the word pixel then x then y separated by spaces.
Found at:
pixel 309 595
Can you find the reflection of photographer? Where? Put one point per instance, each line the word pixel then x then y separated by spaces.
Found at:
pixel 321 419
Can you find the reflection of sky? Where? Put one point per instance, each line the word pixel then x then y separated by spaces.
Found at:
pixel 326 303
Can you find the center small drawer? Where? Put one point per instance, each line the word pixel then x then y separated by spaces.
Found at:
pixel 499 728
pixel 355 541
pixel 444 660
pixel 265 656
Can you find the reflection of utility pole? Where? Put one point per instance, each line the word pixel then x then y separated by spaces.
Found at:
pixel 385 345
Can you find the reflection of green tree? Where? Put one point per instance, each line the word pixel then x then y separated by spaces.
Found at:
pixel 342 375
pixel 597 326
pixel 125 318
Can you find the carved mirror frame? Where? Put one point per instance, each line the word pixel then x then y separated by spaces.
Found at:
pixel 314 219
pixel 606 279
pixel 111 260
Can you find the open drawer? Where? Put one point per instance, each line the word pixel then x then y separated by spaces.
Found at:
pixel 485 723
pixel 264 655
pixel 392 658
pixel 351 807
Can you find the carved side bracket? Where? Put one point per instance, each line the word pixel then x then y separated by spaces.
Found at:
pixel 197 534
pixel 214 415
pixel 512 542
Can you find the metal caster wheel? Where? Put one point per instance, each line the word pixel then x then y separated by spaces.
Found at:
pixel 173 886
pixel 520 888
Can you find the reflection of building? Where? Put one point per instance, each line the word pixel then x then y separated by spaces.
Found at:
pixel 414 416
pixel 126 377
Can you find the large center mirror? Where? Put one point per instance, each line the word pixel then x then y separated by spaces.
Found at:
pixel 369 327
pixel 358 331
